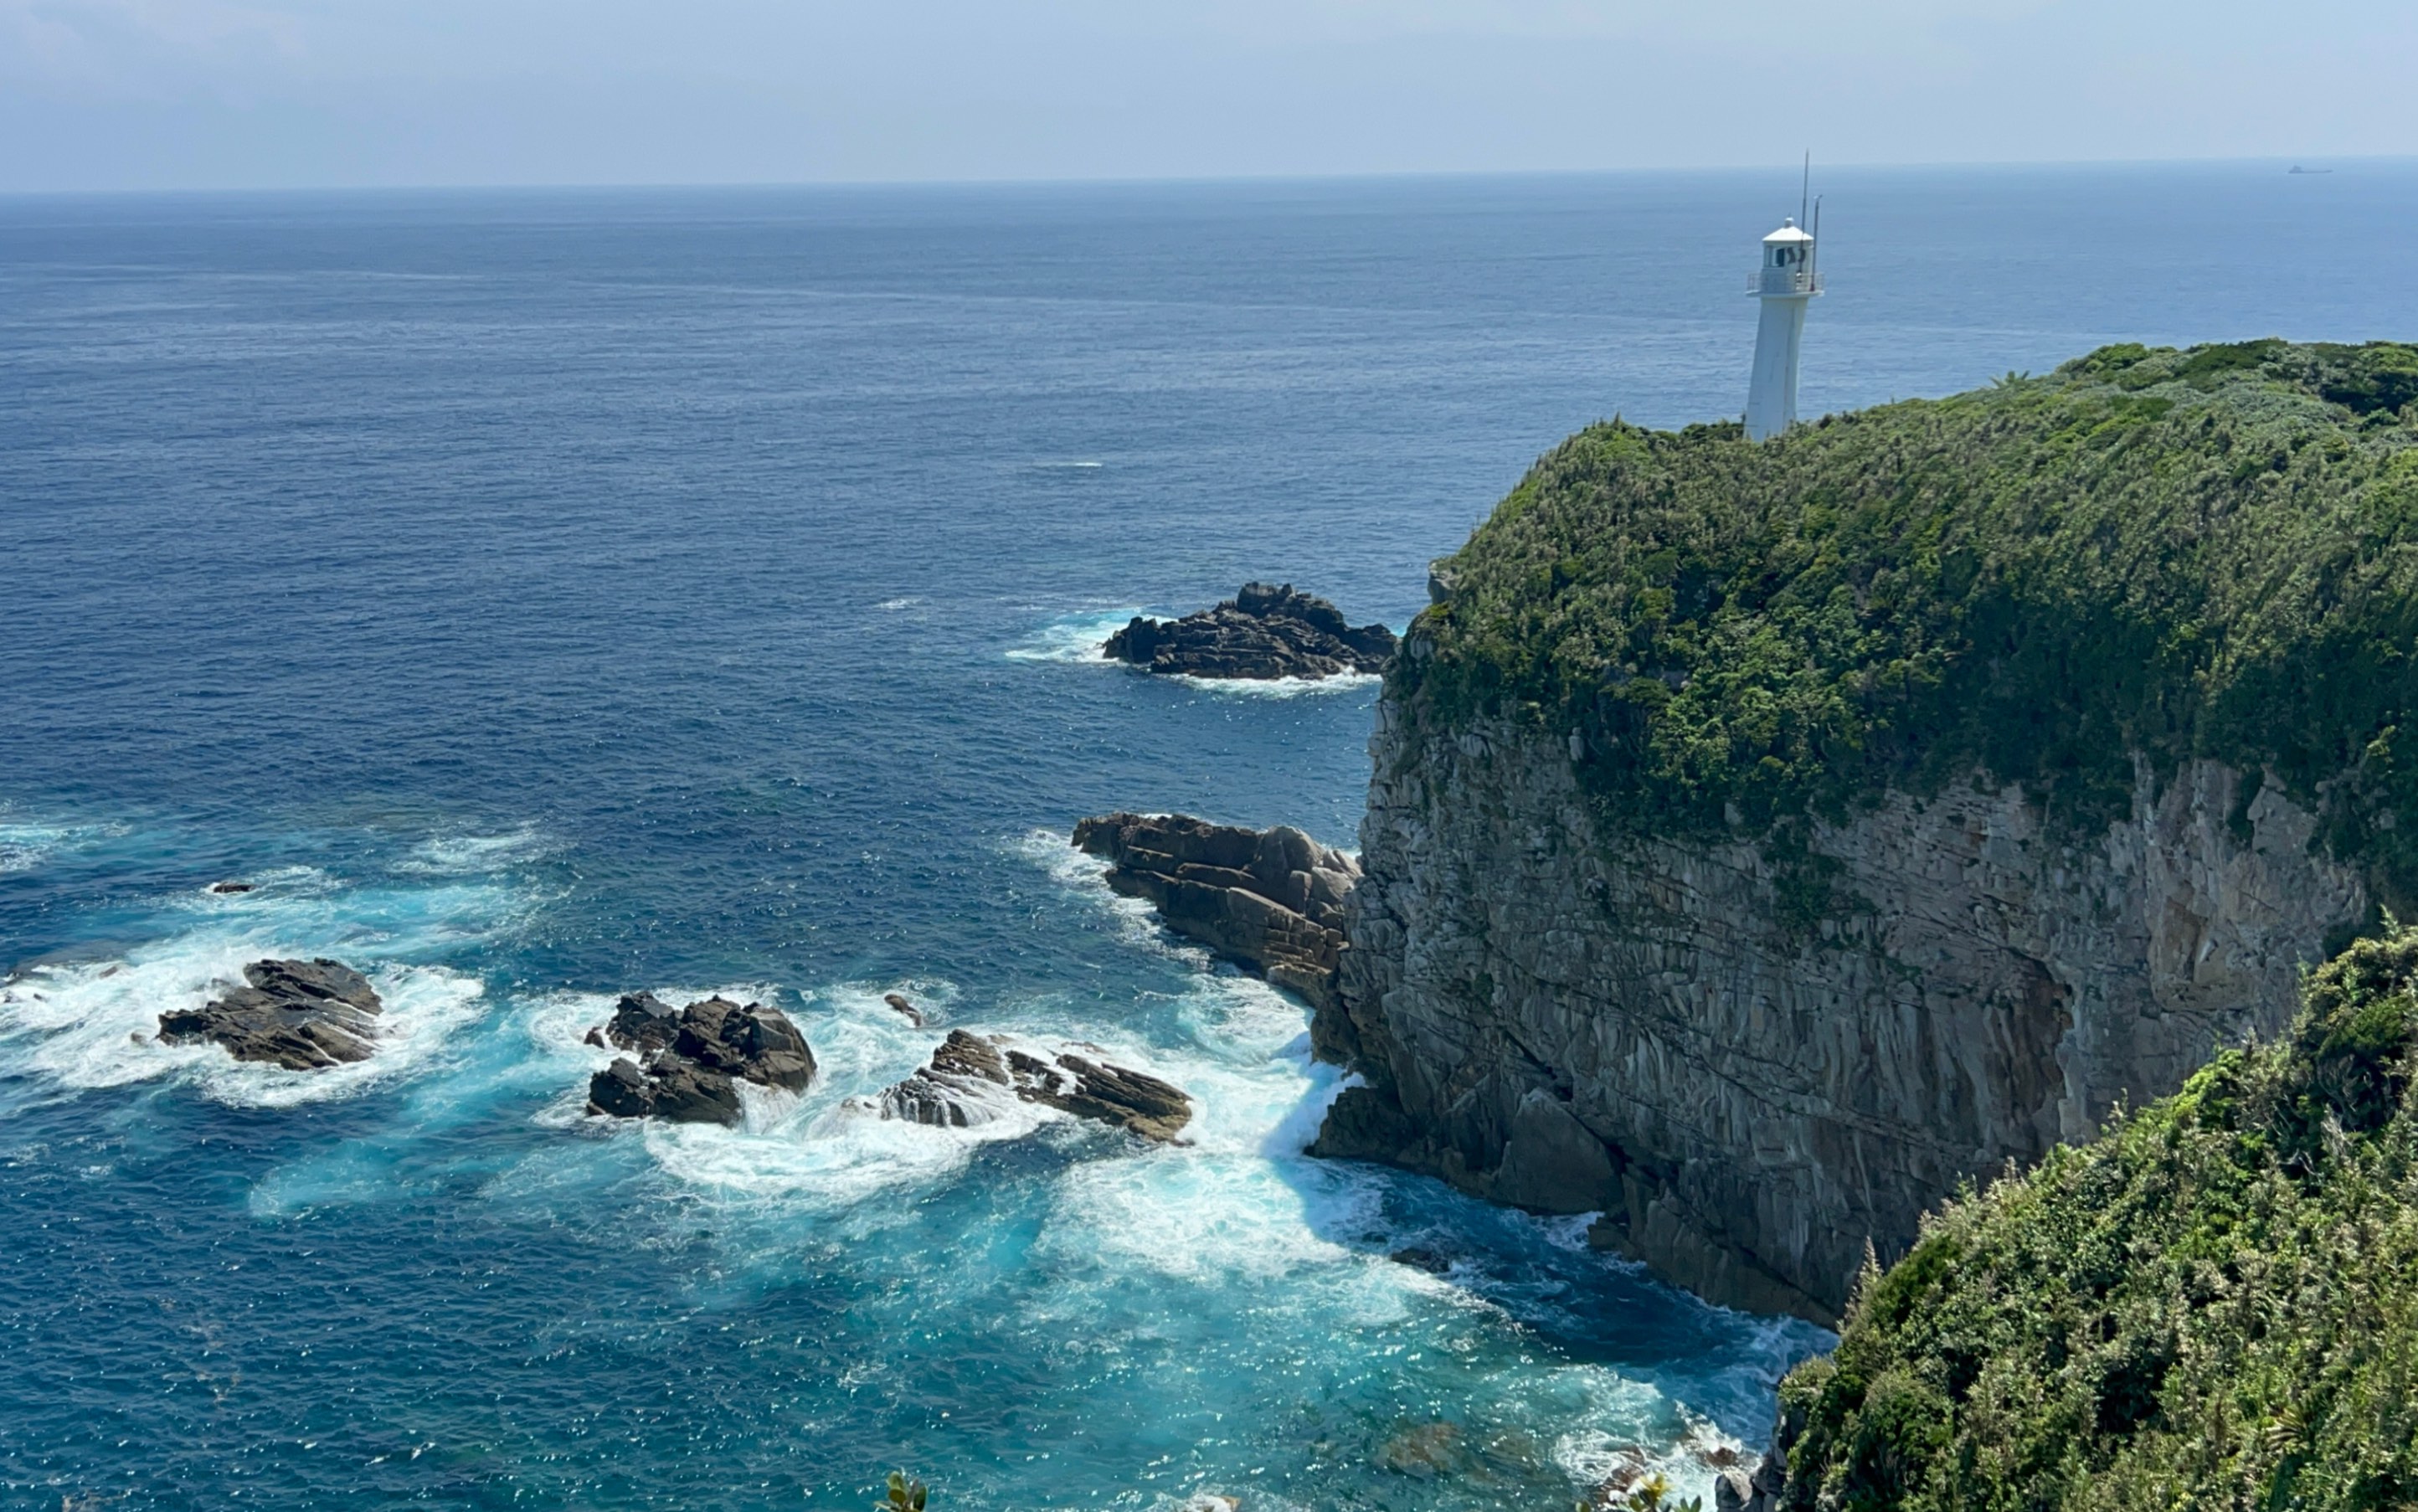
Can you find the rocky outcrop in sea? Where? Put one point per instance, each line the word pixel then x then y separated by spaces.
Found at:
pixel 1262 632
pixel 971 1078
pixel 1271 900
pixel 1553 1015
pixel 304 1015
pixel 687 1062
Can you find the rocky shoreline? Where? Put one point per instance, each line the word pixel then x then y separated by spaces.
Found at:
pixel 1268 900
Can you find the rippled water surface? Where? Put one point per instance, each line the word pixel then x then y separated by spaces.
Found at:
pixel 539 596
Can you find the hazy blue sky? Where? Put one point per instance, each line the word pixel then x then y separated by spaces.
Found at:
pixel 141 93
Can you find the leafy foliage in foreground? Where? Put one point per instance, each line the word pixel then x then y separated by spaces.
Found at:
pixel 2178 553
pixel 905 1495
pixel 2215 1306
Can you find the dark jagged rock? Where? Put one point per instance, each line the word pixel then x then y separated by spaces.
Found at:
pixel 689 1060
pixel 1152 1108
pixel 754 1043
pixel 965 1084
pixel 906 1010
pixel 1262 632
pixel 1268 899
pixel 666 1087
pixel 642 1021
pixel 971 1078
pixel 226 888
pixel 304 1015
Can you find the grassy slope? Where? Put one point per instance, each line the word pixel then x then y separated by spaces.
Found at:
pixel 2176 554
pixel 2214 1305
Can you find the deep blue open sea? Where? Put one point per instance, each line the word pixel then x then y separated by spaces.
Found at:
pixel 541 595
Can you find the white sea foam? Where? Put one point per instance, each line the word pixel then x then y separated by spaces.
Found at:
pixel 1281 687
pixel 827 1151
pixel 893 605
pixel 25 845
pixel 1083 877
pixel 92 1024
pixel 1626 1435
pixel 83 1025
pixel 1078 638
pixel 468 855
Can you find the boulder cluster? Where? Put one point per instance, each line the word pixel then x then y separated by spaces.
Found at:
pixel 684 1064
pixel 1261 633
pixel 304 1015
pixel 972 1077
pixel 1271 900
pixel 688 1062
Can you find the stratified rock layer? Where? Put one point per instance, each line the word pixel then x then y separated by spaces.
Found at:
pixel 1260 632
pixel 688 1062
pixel 304 1015
pixel 1268 899
pixel 972 1077
pixel 1573 1020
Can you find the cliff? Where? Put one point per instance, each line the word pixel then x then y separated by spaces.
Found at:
pixel 2210 1306
pixel 1765 839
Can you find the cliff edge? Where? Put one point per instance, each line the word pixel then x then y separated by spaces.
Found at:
pixel 1765 839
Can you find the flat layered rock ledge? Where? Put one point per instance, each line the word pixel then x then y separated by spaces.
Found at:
pixel 687 1063
pixel 304 1015
pixel 973 1079
pixel 1268 900
pixel 1264 632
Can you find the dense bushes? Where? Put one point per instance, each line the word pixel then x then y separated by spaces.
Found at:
pixel 2172 553
pixel 2215 1306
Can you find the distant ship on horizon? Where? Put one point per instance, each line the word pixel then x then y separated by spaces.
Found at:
pixel 2297 169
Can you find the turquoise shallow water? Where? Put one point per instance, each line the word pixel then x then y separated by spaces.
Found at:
pixel 546 595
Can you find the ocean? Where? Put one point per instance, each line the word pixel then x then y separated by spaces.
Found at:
pixel 543 595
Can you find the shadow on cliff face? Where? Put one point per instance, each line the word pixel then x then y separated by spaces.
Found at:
pixel 1714 1368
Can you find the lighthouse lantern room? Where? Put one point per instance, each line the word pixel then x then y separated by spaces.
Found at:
pixel 1784 282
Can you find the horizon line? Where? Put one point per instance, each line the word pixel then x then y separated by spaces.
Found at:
pixel 1198 180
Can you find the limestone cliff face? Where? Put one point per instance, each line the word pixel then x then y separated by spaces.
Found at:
pixel 1569 1019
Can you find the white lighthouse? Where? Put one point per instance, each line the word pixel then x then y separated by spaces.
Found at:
pixel 1784 282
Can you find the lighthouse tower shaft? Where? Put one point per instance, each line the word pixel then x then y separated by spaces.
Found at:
pixel 1786 284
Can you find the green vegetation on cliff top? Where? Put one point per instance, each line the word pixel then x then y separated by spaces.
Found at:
pixel 2163 554
pixel 2215 1306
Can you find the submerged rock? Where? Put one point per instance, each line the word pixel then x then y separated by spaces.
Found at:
pixel 304 1015
pixel 1268 899
pixel 689 1060
pixel 972 1079
pixel 1260 632
pixel 224 888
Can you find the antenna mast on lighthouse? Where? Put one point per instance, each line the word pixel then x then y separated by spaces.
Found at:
pixel 1786 283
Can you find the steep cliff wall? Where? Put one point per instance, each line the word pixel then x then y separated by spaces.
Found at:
pixel 1766 838
pixel 1571 1020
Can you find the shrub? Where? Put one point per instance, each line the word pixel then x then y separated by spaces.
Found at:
pixel 2148 554
pixel 2214 1304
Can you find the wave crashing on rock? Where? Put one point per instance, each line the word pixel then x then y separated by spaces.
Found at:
pixel 304 1015
pixel 689 1060
pixel 972 1077
pixel 1262 633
